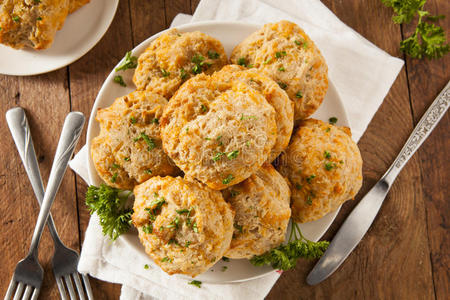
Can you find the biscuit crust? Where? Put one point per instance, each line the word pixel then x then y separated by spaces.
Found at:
pixel 189 230
pixel 217 130
pixel 324 168
pixel 262 213
pixel 128 149
pixel 285 53
pixel 174 57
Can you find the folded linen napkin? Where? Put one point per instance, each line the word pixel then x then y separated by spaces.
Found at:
pixel 362 74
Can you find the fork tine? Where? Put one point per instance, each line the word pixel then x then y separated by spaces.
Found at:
pixel 27 292
pixel 10 290
pixel 70 287
pixel 79 286
pixel 87 286
pixel 35 294
pixel 61 289
pixel 19 291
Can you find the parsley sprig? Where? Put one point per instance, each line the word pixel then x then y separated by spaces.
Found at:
pixel 284 257
pixel 130 62
pixel 110 204
pixel 428 40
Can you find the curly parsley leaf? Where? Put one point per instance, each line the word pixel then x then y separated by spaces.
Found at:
pixel 428 40
pixel 110 205
pixel 284 257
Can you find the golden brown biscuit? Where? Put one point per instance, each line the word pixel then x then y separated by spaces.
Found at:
pixel 324 168
pixel 30 23
pixel 184 226
pixel 76 4
pixel 285 53
pixel 128 149
pixel 284 108
pixel 174 57
pixel 217 130
pixel 262 212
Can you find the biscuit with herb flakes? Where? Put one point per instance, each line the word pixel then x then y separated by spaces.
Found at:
pixel 129 142
pixel 184 226
pixel 205 134
pixel 31 23
pixel 174 57
pixel 285 53
pixel 262 212
pixel 324 167
pixel 275 96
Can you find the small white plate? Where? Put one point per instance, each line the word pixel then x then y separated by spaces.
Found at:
pixel 230 34
pixel 81 32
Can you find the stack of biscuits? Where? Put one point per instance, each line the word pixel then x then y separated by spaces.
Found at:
pixel 198 139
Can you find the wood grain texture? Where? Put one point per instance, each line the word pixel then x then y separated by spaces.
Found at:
pixel 426 79
pixel 403 256
pixel 20 209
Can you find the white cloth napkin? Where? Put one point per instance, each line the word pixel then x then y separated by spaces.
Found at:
pixel 362 74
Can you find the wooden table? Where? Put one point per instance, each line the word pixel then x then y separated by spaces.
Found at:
pixel 404 255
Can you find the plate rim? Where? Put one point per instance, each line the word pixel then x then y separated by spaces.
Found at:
pixel 75 57
pixel 145 43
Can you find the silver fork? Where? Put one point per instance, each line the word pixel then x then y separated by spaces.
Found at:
pixel 29 274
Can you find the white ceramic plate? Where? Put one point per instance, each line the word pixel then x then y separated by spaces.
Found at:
pixel 81 32
pixel 230 34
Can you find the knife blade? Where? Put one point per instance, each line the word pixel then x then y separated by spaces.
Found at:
pixel 360 219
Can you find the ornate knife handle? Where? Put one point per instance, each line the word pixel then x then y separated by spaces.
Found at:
pixel 420 133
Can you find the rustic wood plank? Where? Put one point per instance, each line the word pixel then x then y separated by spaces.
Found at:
pixel 426 79
pixel 148 18
pixel 174 7
pixel 86 77
pixel 396 244
pixel 46 101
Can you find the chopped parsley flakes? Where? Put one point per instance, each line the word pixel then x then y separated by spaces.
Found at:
pixel 332 120
pixel 119 79
pixel 213 54
pixel 228 179
pixel 196 283
pixel 130 62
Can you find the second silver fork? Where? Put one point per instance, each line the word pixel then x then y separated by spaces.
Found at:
pixel 65 260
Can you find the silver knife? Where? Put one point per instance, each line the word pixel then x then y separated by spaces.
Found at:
pixel 362 216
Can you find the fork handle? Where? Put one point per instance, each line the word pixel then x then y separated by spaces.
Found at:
pixel 70 134
pixel 20 131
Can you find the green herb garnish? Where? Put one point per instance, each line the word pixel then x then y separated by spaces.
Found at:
pixel 298 43
pixel 130 62
pixel 165 73
pixel 149 141
pixel 234 193
pixel 310 178
pixel 183 74
pixel 213 54
pixel 238 227
pixel 233 154
pixel 217 156
pixel 280 54
pixel 148 228
pixel 428 40
pixel 146 267
pixel 242 61
pixel 126 159
pixel 285 257
pixel 133 120
pixel 329 165
pixel 110 205
pixel 299 94
pixel 204 108
pixel 196 283
pixel 226 259
pixel 268 61
pixel 119 79
pixel 154 121
pixel 332 120
pixel 114 177
pixel 282 85
pixel 326 154
pixel 228 179
pixel 39 18
pixel 298 186
pixel 16 19
pixel 281 69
